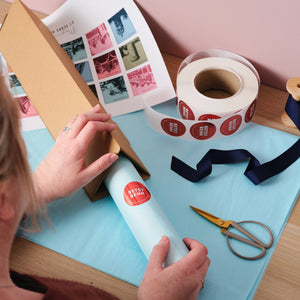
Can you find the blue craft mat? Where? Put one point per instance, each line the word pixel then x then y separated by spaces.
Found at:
pixel 96 234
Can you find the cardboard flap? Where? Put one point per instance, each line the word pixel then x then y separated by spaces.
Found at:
pixel 54 86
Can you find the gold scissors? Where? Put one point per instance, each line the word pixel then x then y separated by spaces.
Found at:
pixel 253 241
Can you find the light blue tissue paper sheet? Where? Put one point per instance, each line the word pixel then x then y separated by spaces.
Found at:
pixel 96 234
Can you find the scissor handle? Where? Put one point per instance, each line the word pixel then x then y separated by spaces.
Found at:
pixel 255 242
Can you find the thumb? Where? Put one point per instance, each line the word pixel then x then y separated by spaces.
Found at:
pixel 159 253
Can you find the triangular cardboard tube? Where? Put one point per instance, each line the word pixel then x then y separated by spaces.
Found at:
pixel 55 87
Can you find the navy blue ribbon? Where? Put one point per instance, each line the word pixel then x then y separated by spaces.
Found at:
pixel 255 171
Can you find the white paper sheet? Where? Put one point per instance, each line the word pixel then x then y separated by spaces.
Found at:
pixel 30 120
pixel 114 50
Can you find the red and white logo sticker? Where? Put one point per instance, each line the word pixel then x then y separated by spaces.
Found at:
pixel 135 193
pixel 185 111
pixel 172 127
pixel 250 112
pixel 207 117
pixel 203 130
pixel 231 125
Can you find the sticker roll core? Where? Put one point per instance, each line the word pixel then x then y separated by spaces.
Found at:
pixel 216 97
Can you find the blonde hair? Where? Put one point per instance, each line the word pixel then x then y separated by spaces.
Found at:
pixel 13 156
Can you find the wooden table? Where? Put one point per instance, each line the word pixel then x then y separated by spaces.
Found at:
pixel 282 277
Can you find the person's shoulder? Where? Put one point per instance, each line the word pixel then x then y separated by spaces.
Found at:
pixel 27 282
pixel 66 289
pixel 60 289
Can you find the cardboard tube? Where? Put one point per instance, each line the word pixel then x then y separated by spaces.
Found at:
pixel 141 211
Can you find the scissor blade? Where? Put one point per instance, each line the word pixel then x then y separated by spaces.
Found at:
pixel 217 221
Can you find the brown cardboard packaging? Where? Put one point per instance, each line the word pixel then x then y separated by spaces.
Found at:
pixel 55 87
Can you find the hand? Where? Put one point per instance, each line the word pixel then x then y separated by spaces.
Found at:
pixel 181 280
pixel 63 171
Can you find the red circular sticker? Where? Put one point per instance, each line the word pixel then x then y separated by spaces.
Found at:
pixel 250 112
pixel 237 111
pixel 231 125
pixel 208 117
pixel 172 127
pixel 203 130
pixel 135 193
pixel 185 111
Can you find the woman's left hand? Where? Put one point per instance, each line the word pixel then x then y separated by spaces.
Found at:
pixel 63 171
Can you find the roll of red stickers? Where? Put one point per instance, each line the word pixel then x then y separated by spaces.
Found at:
pixel 208 117
pixel 185 111
pixel 216 97
pixel 135 193
pixel 250 112
pixel 231 125
pixel 203 130
pixel 173 127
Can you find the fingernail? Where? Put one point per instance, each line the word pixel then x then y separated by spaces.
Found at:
pixel 164 238
pixel 113 157
pixel 97 107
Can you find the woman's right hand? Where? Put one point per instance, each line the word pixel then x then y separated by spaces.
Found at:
pixel 179 281
pixel 63 171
